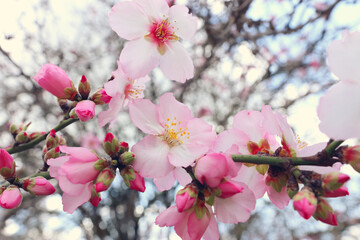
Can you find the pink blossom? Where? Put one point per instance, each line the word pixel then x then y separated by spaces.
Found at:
pixel 154 29
pixel 85 110
pixel 175 138
pixel 138 184
pixel 54 80
pixel 339 116
pixel 11 197
pixel 91 141
pixel 340 192
pixel 38 186
pixel 343 57
pixel 7 164
pixel 186 197
pixel 305 202
pixel 122 90
pixel 75 173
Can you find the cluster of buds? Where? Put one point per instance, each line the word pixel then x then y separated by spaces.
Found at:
pixel 310 200
pixel 123 160
pixel 55 80
pixel 21 135
pixel 51 147
pixel 10 195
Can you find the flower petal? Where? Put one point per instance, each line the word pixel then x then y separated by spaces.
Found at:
pixel 151 157
pixel 136 66
pixel 169 217
pixel 70 203
pixel 144 115
pixel 182 176
pixel 111 115
pixel 128 20
pixel 184 23
pixel 170 108
pixel 253 179
pixel 165 183
pixel 79 153
pixel 154 8
pixel 201 133
pixel 340 115
pixel 176 63
pixel 226 139
pixel 212 231
pixel 281 200
pixel 184 155
pixel 55 165
pixel 236 208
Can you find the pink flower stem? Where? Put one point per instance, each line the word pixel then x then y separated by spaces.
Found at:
pixel 37 140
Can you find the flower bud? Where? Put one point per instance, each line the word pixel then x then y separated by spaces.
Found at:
pixel 111 145
pixel 22 137
pixel 124 147
pixel 51 140
pixel 186 197
pixel 132 179
pixel 14 129
pixel 340 192
pixel 84 87
pixel 334 180
pixel 95 198
pixel 100 164
pixel 54 80
pixel 104 179
pixel 7 164
pixel 52 153
pixel 38 186
pixel 127 158
pixel 325 213
pixel 305 202
pixel 11 197
pixel 228 188
pixel 351 155
pixel 34 135
pixel 85 110
pixel 100 97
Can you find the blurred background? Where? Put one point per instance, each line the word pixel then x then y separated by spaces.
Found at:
pixel 246 53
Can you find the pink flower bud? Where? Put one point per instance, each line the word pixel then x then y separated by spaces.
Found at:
pixel 38 186
pixel 127 158
pixel 11 197
pixel 104 179
pixel 124 145
pixel 84 87
pixel 34 135
pixel 305 203
pixel 52 140
pixel 54 80
pixel 325 213
pixel 185 198
pixel 229 188
pixel 7 164
pixel 211 169
pixel 85 110
pixel 95 198
pixel 22 137
pixel 351 155
pixel 340 192
pixel 111 145
pixel 334 180
pixel 133 179
pixel 100 97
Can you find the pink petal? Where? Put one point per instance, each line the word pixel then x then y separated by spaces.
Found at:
pixel 196 226
pixel 176 63
pixel 184 23
pixel 111 115
pixel 80 172
pixel 250 122
pixel 55 165
pixel 137 66
pixel 144 115
pixel 151 157
pixel 281 200
pixel 128 20
pixel 182 176
pixel 184 155
pixel 201 133
pixel 118 84
pixel 253 179
pixel 236 208
pixel 170 108
pixel 154 8
pixel 79 153
pixel 340 115
pixel 169 217
pixel 165 183
pixel 344 57
pixel 311 150
pixel 70 188
pixel 226 139
pixel 212 232
pixel 70 203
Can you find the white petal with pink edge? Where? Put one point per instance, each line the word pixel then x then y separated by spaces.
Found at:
pixel 139 57
pixel 176 63
pixel 151 157
pixel 185 24
pixel 154 8
pixel 128 20
pixel 144 114
pixel 236 208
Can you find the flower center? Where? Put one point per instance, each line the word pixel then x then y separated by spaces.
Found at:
pixel 174 135
pixel 133 91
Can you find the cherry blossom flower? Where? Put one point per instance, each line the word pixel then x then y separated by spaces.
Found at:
pixel 91 141
pixel 122 90
pixel 154 29
pixel 75 173
pixel 175 138
pixel 54 80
